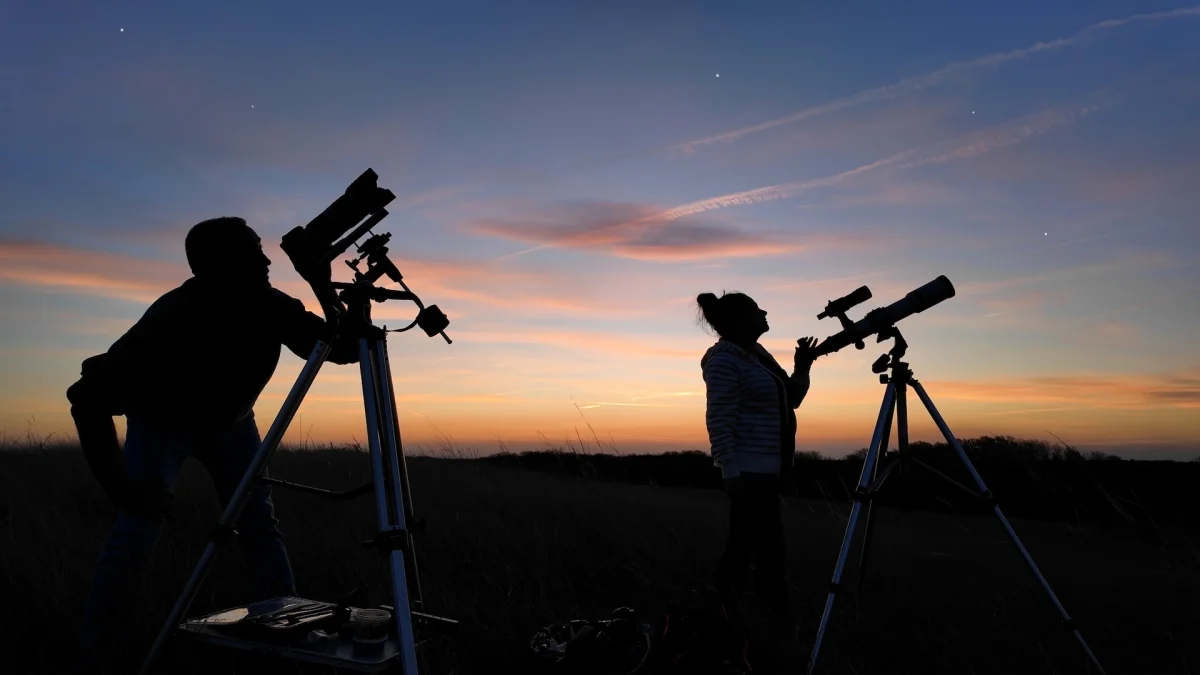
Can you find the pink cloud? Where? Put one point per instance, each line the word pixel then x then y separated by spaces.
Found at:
pixel 87 272
pixel 616 345
pixel 1180 390
pixel 142 280
pixel 634 231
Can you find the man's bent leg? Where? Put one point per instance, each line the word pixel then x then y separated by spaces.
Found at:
pixel 228 457
pixel 148 453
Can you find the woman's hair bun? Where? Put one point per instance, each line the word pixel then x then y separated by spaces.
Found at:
pixel 706 300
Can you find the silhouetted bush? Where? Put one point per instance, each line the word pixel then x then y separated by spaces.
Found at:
pixel 1030 479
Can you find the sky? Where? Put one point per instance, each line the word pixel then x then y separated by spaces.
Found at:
pixel 569 176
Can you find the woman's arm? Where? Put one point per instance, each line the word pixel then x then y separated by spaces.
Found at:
pixel 798 383
pixel 723 389
pixel 797 387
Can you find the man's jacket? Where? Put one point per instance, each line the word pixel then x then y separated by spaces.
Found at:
pixel 201 355
pixel 751 413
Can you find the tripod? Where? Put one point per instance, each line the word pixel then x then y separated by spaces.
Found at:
pixel 872 478
pixel 393 507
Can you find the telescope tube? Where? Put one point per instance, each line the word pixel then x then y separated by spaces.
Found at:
pixel 884 317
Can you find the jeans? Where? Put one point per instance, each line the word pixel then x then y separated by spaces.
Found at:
pixel 153 452
pixel 756 531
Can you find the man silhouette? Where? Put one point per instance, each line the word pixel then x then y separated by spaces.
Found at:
pixel 186 376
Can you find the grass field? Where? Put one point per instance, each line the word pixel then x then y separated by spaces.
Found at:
pixel 508 551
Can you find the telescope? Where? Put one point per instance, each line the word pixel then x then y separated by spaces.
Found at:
pixel 880 462
pixel 881 319
pixel 312 249
pixel 394 636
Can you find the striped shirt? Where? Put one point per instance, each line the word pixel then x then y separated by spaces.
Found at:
pixel 751 413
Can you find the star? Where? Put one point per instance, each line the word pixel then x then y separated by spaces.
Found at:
pixel 251 106
pixel 718 74
pixel 122 30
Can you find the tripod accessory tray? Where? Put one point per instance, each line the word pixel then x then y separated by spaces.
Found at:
pixel 298 629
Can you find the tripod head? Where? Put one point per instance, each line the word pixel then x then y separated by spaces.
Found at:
pixel 891 360
pixel 358 295
pixel 313 248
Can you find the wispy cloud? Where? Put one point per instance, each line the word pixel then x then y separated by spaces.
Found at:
pixel 585 341
pixel 492 285
pixel 1093 390
pixel 1149 16
pixel 1139 229
pixel 1005 134
pixel 635 231
pixel 1033 411
pixel 96 273
pixel 969 145
pixel 937 77
pixel 588 406
pixel 430 196
pixel 1126 260
pixel 670 394
pixel 1138 305
pixel 900 194
pixel 87 272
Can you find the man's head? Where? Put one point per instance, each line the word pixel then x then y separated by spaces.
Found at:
pixel 227 249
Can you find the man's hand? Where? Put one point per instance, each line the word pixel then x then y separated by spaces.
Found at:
pixel 146 497
pixel 805 354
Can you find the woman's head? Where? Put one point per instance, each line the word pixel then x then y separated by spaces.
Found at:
pixel 733 315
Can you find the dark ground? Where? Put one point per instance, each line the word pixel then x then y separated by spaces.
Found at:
pixel 509 550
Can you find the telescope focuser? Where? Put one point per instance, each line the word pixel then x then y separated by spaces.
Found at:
pixel 838 308
pixel 374 252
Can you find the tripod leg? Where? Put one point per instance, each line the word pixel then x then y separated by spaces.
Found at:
pixel 983 489
pixel 859 496
pixel 899 407
pixel 233 510
pixel 400 604
pixel 399 471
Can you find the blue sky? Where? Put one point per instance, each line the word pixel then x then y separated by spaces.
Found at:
pixel 571 175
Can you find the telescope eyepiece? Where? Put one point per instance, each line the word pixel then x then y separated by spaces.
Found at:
pixel 846 302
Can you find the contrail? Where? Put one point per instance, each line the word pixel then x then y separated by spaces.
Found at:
pixel 886 92
pixel 1004 135
pixel 935 78
pixel 967 145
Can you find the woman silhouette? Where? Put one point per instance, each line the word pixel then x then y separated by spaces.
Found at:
pixel 751 423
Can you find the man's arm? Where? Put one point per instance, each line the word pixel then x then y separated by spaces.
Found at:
pixel 94 424
pixel 95 399
pixel 301 329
